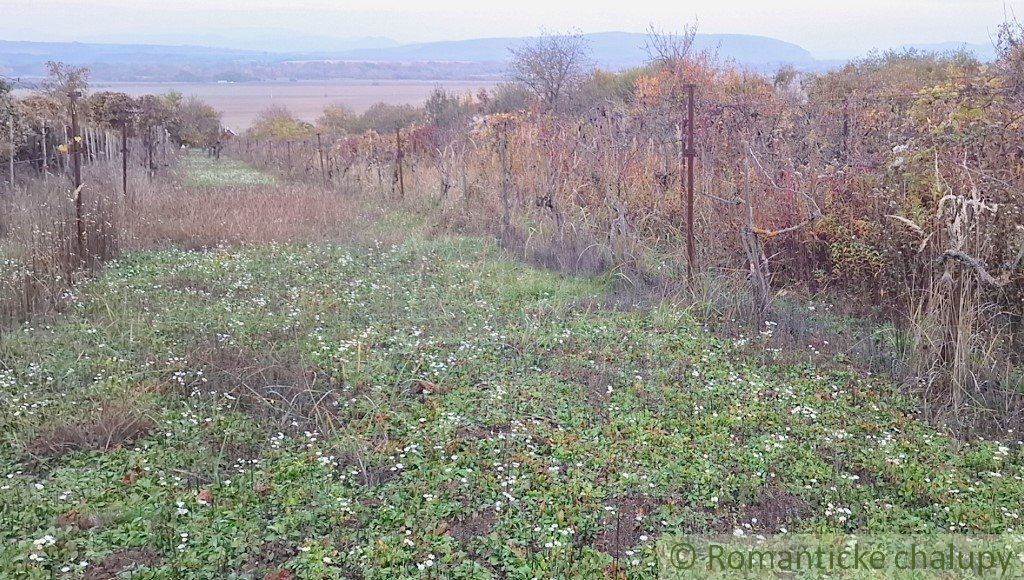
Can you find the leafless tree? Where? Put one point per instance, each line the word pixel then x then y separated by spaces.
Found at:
pixel 65 79
pixel 553 66
pixel 1010 58
pixel 670 48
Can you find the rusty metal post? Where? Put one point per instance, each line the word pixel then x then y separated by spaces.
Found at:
pixel 690 153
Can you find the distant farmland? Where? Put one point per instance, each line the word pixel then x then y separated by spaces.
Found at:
pixel 240 102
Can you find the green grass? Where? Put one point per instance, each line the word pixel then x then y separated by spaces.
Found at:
pixel 205 171
pixel 472 417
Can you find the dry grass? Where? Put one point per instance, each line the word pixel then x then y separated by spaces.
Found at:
pixel 40 261
pixel 277 389
pixel 109 426
pixel 210 217
pixel 960 354
pixel 40 258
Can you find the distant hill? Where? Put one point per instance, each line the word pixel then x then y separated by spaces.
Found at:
pixel 276 40
pixel 614 50
pixel 28 57
pixel 285 55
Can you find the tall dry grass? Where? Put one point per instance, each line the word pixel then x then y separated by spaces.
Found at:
pixel 41 255
pixel 200 218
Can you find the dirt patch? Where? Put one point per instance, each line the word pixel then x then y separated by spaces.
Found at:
pixel 269 559
pixel 473 526
pixel 595 382
pixel 773 509
pixel 621 528
pixel 107 427
pixel 84 521
pixel 472 432
pixel 113 565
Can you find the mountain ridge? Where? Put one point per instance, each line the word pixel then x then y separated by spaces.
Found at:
pixel 167 62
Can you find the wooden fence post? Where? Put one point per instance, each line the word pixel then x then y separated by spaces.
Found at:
pixel 320 149
pixel 398 161
pixel 124 157
pixel 690 154
pixel 46 165
pixel 13 151
pixel 76 161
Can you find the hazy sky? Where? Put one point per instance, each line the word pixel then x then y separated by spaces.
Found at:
pixel 826 28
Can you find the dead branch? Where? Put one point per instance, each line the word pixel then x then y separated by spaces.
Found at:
pixel 977 266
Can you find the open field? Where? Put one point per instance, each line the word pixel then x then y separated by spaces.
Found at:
pixel 240 102
pixel 432 407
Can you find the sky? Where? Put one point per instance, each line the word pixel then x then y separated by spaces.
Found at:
pixel 826 28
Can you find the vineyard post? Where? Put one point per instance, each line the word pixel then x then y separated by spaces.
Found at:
pixel 64 159
pixel 46 164
pixel 690 153
pixel 76 162
pixel 150 146
pixel 398 161
pixel 320 150
pixel 506 181
pixel 10 127
pixel 124 156
pixel 330 167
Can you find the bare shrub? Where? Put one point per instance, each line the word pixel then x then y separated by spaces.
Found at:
pixel 554 66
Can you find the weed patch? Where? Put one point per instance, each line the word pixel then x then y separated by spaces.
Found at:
pixel 110 426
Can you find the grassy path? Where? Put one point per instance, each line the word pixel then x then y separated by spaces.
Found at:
pixel 432 408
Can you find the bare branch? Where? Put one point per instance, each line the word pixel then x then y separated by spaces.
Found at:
pixel 670 48
pixel 977 266
pixel 552 66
